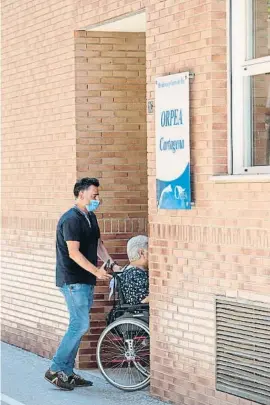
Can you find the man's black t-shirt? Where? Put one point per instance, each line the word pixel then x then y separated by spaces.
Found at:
pixel 74 225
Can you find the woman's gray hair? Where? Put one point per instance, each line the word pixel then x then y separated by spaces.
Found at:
pixel 134 245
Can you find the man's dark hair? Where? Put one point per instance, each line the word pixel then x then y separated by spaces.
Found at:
pixel 84 183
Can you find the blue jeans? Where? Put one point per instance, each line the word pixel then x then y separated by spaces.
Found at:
pixel 79 300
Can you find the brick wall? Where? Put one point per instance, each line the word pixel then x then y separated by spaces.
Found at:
pixel 46 145
pixel 111 118
pixel 220 247
pixel 111 145
pixel 39 166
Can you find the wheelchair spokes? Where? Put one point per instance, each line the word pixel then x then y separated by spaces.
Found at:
pixel 123 354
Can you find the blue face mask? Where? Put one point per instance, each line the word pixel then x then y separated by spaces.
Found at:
pixel 94 204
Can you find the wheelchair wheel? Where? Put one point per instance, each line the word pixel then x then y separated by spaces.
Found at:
pixel 123 354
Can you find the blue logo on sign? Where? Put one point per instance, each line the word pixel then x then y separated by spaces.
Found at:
pixel 175 194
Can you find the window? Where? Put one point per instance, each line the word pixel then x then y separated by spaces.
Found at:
pixel 250 90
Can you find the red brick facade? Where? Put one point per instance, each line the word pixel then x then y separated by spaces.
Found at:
pixel 111 145
pixel 74 103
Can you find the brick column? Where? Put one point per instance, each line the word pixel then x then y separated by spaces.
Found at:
pixel 111 145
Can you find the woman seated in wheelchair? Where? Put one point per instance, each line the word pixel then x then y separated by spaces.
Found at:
pixel 123 350
pixel 134 276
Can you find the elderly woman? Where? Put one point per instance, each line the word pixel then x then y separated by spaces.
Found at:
pixel 134 278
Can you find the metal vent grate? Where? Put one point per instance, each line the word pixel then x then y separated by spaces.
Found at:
pixel 243 350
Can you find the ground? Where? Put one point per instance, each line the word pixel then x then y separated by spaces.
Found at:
pixel 23 383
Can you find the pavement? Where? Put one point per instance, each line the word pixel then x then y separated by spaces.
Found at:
pixel 23 383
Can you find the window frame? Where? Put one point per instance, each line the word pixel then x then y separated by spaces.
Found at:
pixel 240 68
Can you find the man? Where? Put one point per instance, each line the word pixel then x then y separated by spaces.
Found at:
pixel 78 245
pixel 134 278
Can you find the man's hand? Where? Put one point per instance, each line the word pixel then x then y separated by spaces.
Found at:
pixel 117 269
pixel 102 274
pixel 145 300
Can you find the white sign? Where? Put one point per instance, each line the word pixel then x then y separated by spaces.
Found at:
pixel 172 141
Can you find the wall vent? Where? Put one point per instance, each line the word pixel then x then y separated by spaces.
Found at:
pixel 243 349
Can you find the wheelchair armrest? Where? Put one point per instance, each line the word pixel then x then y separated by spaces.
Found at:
pixel 125 306
pixel 116 273
pixel 138 307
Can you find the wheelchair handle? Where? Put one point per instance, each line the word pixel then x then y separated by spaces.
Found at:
pixel 107 265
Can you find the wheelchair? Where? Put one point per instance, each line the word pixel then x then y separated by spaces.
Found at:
pixel 123 349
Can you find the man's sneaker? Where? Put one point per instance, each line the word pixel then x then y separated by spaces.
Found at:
pixel 59 379
pixel 78 381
